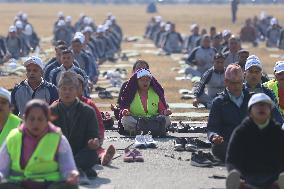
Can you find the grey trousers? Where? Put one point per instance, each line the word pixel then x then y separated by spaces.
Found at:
pixel 129 123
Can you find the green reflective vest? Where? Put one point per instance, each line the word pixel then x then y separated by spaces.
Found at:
pixel 41 166
pixel 11 123
pixel 274 87
pixel 137 109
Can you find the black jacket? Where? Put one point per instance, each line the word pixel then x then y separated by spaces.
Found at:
pixel 255 151
pixel 78 123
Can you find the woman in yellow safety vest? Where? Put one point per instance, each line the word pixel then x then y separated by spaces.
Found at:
pixel 8 121
pixel 142 97
pixel 36 154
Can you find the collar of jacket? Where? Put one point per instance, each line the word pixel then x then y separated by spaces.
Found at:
pixel 219 72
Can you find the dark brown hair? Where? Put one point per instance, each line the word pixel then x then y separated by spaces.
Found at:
pixel 140 61
pixel 37 103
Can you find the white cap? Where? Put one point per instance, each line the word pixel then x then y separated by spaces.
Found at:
pixel 68 19
pixel 80 36
pixel 109 14
pixel 106 27
pixel 162 24
pixel 158 18
pixel 279 67
pixel 87 29
pixel 60 14
pixel 19 24
pixel 252 62
pixel 193 26
pixel 260 97
pixel 12 29
pixel 34 60
pixel 87 20
pixel 28 30
pixel 142 73
pixel 24 16
pixel 100 29
pixel 61 23
pixel 273 21
pixel 226 32
pixel 4 93
pixel 112 18
pixel 253 57
pixel 167 27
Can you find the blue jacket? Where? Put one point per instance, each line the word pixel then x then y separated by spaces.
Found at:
pixel 225 115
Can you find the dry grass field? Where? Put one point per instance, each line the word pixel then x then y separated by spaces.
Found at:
pixel 133 20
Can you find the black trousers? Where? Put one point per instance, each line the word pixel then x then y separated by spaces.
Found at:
pixel 220 150
pixel 86 158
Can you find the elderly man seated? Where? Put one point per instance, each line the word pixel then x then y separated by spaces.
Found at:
pixel 228 110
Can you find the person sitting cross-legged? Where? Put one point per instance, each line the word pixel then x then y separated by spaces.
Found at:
pixel 213 80
pixel 78 123
pixel 228 110
pixel 143 97
pixel 36 155
pixel 255 151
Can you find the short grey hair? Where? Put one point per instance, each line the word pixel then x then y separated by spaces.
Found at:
pixel 68 78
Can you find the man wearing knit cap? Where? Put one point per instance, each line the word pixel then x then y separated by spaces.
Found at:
pixel 273 33
pixel 173 41
pixel 34 87
pixel 232 54
pixel 255 151
pixel 14 44
pixel 253 84
pixel 277 86
pixel 8 121
pixel 228 110
pixel 191 41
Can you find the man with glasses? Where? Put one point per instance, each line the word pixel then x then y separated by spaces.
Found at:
pixel 228 110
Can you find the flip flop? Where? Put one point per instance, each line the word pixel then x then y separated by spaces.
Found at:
pixel 107 157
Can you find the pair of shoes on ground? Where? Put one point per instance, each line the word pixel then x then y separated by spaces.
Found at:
pixel 86 176
pixel 145 141
pixel 190 144
pixel 203 159
pixel 132 156
pixel 185 128
pixel 107 157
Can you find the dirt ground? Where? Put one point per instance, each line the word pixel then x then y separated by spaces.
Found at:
pixel 159 172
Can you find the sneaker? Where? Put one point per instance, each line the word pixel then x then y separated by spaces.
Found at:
pixel 233 180
pixel 140 142
pixel 137 156
pixel 91 173
pixel 199 143
pixel 107 157
pixel 197 129
pixel 191 148
pixel 83 178
pixel 211 158
pixel 150 142
pixel 172 128
pixel 180 144
pixel 199 160
pixel 182 128
pixel 128 156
